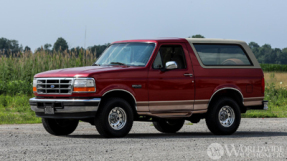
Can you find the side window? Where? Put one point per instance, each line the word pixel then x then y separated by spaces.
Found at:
pixel 222 55
pixel 170 53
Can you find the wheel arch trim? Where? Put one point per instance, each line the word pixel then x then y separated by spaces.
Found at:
pixel 121 90
pixel 231 88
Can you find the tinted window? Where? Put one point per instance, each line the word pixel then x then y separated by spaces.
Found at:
pixel 222 55
pixel 170 53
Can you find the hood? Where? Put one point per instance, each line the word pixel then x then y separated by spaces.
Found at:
pixel 79 71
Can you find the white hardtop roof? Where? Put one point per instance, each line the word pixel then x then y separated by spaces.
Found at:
pixel 205 40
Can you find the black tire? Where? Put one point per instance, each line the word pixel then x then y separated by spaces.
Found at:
pixel 168 126
pixel 212 117
pixel 102 118
pixel 60 126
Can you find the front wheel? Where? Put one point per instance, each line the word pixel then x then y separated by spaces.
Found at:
pixel 223 117
pixel 168 125
pixel 114 118
pixel 60 126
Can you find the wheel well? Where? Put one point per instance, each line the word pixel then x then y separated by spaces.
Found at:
pixel 121 94
pixel 236 95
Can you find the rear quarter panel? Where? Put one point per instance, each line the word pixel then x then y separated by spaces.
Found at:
pixel 209 80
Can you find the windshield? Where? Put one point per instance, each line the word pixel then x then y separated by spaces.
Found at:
pixel 130 54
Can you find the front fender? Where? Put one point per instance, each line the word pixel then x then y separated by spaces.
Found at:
pixel 117 87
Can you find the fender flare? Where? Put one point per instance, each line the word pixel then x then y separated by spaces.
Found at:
pixel 224 88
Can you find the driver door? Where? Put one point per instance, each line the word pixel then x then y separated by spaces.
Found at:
pixel 171 90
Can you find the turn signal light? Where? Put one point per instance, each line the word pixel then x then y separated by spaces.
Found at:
pixel 34 85
pixel 84 89
pixel 82 85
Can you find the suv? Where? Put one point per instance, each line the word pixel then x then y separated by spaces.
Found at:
pixel 165 81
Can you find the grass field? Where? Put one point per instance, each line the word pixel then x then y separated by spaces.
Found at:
pixel 16 110
pixel 279 79
pixel 276 94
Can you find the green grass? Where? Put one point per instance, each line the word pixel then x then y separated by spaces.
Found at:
pixel 277 103
pixel 16 110
pixel 264 114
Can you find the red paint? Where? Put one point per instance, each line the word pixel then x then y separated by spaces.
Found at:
pixel 262 85
pixel 159 86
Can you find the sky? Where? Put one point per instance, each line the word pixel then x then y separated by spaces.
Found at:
pixel 35 23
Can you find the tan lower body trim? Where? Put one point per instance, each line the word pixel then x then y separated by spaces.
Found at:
pixel 171 106
pixel 184 108
pixel 142 106
pixel 161 106
pixel 172 109
pixel 201 104
pixel 253 101
pixel 199 111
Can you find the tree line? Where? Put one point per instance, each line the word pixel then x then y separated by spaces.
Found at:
pixel 12 47
pixel 265 54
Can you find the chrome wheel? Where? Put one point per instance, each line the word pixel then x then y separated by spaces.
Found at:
pixel 117 118
pixel 226 116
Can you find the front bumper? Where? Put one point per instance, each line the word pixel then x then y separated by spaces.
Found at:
pixel 65 108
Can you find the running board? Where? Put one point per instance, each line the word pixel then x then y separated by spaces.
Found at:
pixel 172 114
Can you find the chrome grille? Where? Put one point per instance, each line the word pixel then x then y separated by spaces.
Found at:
pixel 54 85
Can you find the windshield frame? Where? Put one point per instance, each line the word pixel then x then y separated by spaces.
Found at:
pixel 136 42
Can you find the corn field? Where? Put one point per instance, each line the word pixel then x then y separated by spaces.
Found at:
pixel 17 71
pixel 274 67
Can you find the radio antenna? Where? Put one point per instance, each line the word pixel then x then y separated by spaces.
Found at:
pixel 85 36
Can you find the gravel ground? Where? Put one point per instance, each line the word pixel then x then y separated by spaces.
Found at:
pixel 256 139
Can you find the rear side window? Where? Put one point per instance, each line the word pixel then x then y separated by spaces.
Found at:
pixel 222 55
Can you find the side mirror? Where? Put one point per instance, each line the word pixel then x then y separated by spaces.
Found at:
pixel 170 65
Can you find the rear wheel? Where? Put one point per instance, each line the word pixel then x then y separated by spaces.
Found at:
pixel 223 118
pixel 115 118
pixel 60 126
pixel 168 125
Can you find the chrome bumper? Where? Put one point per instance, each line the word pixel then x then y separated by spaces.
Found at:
pixel 263 106
pixel 65 105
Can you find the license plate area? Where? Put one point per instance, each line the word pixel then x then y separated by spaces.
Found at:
pixel 49 108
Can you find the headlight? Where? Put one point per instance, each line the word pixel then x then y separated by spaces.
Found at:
pixel 34 85
pixel 84 85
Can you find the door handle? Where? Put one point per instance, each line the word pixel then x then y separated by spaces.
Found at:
pixel 187 74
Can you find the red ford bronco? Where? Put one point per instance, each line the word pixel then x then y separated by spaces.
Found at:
pixel 166 81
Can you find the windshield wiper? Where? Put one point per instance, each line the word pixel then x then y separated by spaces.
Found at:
pixel 96 65
pixel 117 63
